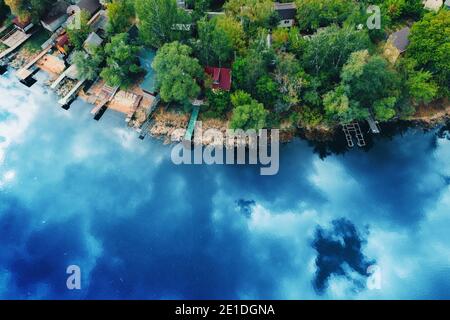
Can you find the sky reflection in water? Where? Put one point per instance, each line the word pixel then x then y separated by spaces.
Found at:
pixel 77 191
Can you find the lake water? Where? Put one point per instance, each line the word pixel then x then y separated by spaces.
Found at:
pixel 73 191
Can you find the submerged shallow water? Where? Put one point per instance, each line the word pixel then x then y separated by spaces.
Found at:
pixel 77 191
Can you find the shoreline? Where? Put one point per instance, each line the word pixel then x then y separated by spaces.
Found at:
pixel 165 123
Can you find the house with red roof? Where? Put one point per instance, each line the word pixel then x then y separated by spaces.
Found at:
pixel 221 77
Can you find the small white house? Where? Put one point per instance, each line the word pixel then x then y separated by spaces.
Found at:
pixel 433 5
pixel 92 41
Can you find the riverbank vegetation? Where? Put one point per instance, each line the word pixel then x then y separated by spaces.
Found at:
pixel 329 67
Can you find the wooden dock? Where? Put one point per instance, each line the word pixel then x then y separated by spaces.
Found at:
pixel 63 101
pixel 143 130
pixel 13 40
pixel 353 128
pixel 373 125
pixel 192 121
pixel 25 72
pixel 106 95
pixel 70 71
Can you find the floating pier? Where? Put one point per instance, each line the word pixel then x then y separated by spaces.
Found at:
pixel 353 128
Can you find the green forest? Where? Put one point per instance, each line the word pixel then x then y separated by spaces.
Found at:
pixel 329 68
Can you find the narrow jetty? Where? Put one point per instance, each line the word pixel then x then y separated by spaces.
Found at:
pixel 13 40
pixel 65 100
pixel 143 130
pixel 106 95
pixel 353 128
pixel 192 121
pixel 27 70
pixel 373 125
pixel 70 71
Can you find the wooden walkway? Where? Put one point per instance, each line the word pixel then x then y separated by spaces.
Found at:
pixel 143 130
pixel 63 101
pixel 69 71
pixel 373 125
pixel 13 40
pixel 25 72
pixel 192 121
pixel 353 128
pixel 106 95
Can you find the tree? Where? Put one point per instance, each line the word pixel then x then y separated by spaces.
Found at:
pixel 218 103
pixel 369 78
pixel 248 69
pixel 267 90
pixel 367 82
pixel 88 67
pixel 78 34
pixel 157 21
pixel 247 112
pixel 338 106
pixel 177 72
pixel 401 9
pixel 214 46
pixel 325 53
pixel 313 14
pixel 430 47
pixel 256 12
pixel 291 78
pixel 200 7
pixel 121 14
pixel 385 108
pixel 4 10
pixel 29 9
pixel 419 84
pixel 235 32
pixel 121 63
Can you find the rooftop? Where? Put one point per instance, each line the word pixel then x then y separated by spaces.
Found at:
pixel 400 39
pixel 92 41
pixel 221 77
pixel 286 10
pixel 91 6
pixel 434 5
pixel 58 10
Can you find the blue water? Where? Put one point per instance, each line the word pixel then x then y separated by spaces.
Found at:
pixel 77 191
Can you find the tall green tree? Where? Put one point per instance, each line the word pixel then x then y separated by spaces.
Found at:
pixel 121 15
pixel 29 9
pixel 78 34
pixel 121 61
pixel 430 47
pixel 326 52
pixel 247 112
pixel 214 45
pixel 4 11
pixel 158 20
pixel 88 66
pixel 177 73
pixel 256 12
pixel 313 14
